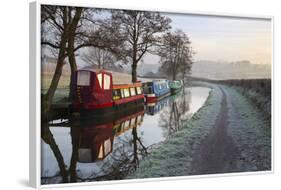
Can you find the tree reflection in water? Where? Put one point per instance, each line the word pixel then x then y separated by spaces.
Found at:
pixel 173 116
pixel 48 138
pixel 92 143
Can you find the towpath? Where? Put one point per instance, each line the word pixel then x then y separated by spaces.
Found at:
pixel 228 134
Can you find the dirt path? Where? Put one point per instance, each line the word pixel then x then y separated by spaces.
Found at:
pixel 218 152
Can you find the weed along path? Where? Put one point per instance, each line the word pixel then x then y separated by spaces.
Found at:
pixel 228 134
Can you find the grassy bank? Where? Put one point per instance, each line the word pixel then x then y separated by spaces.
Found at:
pixel 256 90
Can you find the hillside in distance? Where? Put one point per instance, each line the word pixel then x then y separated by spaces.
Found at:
pixel 218 70
pixel 230 70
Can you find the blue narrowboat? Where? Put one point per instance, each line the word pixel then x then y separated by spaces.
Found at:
pixel 156 89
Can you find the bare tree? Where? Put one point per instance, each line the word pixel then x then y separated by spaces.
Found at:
pixel 138 31
pixel 102 58
pixel 175 53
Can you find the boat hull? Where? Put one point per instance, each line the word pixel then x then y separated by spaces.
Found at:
pixel 79 113
pixel 150 98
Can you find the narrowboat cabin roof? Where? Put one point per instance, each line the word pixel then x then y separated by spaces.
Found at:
pixel 92 69
pixel 117 77
pixel 138 84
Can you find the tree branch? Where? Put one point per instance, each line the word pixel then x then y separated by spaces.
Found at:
pixel 50 44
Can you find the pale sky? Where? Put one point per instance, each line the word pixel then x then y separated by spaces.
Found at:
pixel 226 38
pixel 223 38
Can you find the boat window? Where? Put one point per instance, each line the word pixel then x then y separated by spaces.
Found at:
pixel 139 119
pixel 107 146
pixel 127 124
pixel 100 79
pixel 116 128
pixel 101 155
pixel 122 127
pixel 138 90
pixel 150 91
pixel 106 83
pixel 116 94
pixel 126 92
pixel 133 121
pixel 133 91
pixel 145 89
pixel 122 93
pixel 83 78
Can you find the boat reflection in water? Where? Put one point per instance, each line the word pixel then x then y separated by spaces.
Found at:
pixel 155 107
pixel 97 142
pixel 110 148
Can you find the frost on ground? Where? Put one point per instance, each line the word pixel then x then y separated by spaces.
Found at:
pixel 246 129
pixel 250 131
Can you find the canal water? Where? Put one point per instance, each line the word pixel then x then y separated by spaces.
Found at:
pixel 95 150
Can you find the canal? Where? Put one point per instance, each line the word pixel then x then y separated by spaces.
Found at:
pixel 110 149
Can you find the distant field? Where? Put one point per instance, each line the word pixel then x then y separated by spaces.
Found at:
pixel 62 91
pixel 47 78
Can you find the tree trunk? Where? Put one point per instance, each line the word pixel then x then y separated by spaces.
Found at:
pixel 70 50
pixel 73 66
pixel 48 138
pixel 134 72
pixel 174 76
pixel 134 64
pixel 48 97
pixel 74 156
pixel 135 148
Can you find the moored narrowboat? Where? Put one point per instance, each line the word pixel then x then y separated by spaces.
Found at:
pixel 96 93
pixel 156 90
pixel 175 86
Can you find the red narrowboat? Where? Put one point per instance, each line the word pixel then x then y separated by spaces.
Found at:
pixel 96 91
